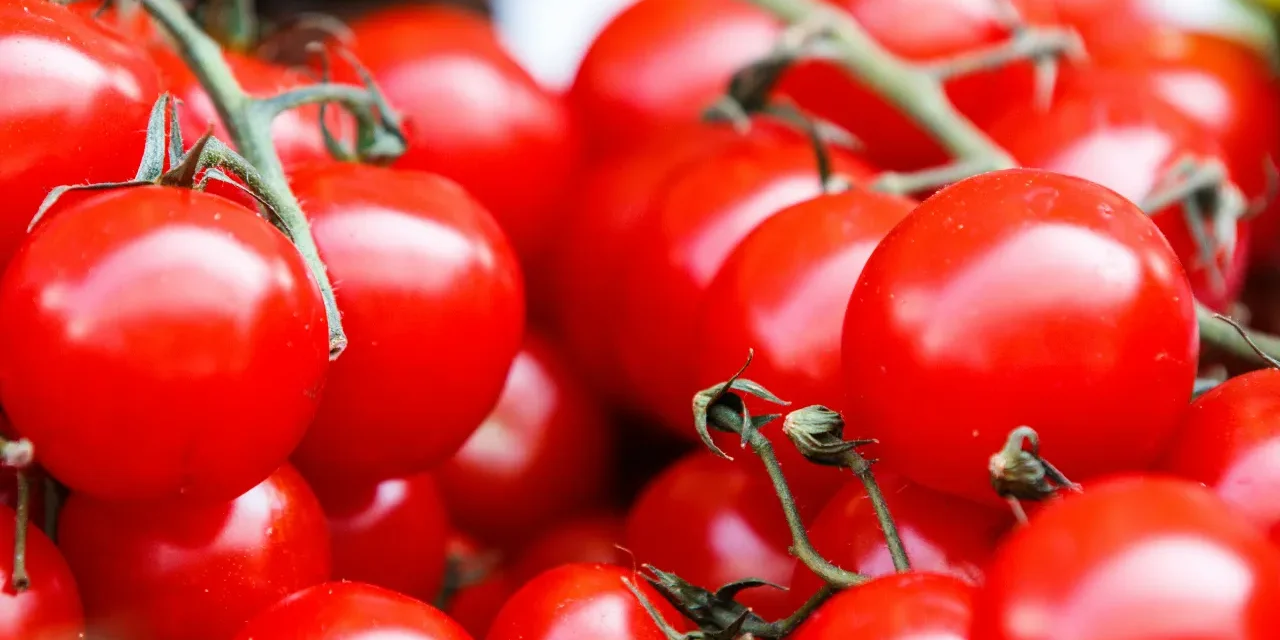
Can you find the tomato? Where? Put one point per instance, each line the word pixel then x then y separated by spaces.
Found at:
pixel 895 607
pixel 510 478
pixel 433 304
pixel 191 571
pixel 1112 24
pixel 1101 129
pixel 474 115
pixel 390 533
pixel 194 334
pixel 1132 558
pixel 921 31
pixel 50 607
pixel 941 534
pixel 676 252
pixel 351 611
pixel 592 538
pixel 1020 297
pixel 87 94
pixel 1230 440
pixel 581 601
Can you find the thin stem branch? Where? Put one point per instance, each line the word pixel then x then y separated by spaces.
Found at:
pixel 20 578
pixel 1226 337
pixel 887 526
pixel 783 628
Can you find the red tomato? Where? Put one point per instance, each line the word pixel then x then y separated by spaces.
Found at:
pixel 941 534
pixel 896 607
pixel 1110 24
pixel 50 607
pixel 581 601
pixel 658 64
pixel 1101 129
pixel 700 217
pixel 351 611
pixel 1230 441
pixel 186 571
pixel 194 333
pixel 1133 558
pixel 390 533
pixel 544 452
pixel 592 539
pixel 713 522
pixel 80 115
pixel 922 31
pixel 474 115
pixel 433 304
pixel 1020 297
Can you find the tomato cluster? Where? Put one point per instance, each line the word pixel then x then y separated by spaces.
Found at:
pixel 542 292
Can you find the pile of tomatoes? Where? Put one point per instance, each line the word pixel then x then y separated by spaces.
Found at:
pixel 537 288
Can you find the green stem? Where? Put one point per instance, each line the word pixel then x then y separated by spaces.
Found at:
pixel 887 526
pixel 1226 337
pixel 20 578
pixel 783 628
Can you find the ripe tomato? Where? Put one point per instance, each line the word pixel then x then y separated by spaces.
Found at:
pixel 1101 129
pixel 390 534
pixel 351 611
pixel 86 94
pixel 896 607
pixel 511 477
pixel 1132 558
pixel 50 607
pixel 194 333
pixel 592 538
pixel 433 304
pixel 713 522
pixel 1020 297
pixel 183 571
pixel 581 601
pixel 1111 24
pixel 941 534
pixel 474 115
pixel 1230 440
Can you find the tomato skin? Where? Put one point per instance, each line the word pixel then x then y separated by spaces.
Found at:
pixel 474 115
pixel 1134 557
pixel 351 611
pixel 1229 442
pixel 895 607
pixel 95 92
pixel 50 607
pixel 195 334
pixel 433 304
pixel 389 534
pixel 581 601
pixel 191 571
pixel 513 475
pixel 945 356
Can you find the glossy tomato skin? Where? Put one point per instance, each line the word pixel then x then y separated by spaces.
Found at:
pixel 88 124
pixel 591 538
pixel 351 611
pixel 193 330
pixel 1134 557
pixel 1102 129
pixel 433 304
pixel 1020 297
pixel 581 601
pixel 1230 441
pixel 50 607
pixel 389 533
pixel 474 115
pixel 187 572
pixel 896 607
pixel 543 453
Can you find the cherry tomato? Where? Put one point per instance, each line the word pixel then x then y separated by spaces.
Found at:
pixel 581 601
pixel 1112 24
pixel 390 533
pixel 50 607
pixel 1102 129
pixel 80 114
pixel 188 571
pixel 474 115
pixel 700 217
pixel 593 538
pixel 895 607
pixel 1230 441
pixel 351 611
pixel 433 304
pixel 1020 297
pixel 1132 558
pixel 194 333
pixel 511 477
